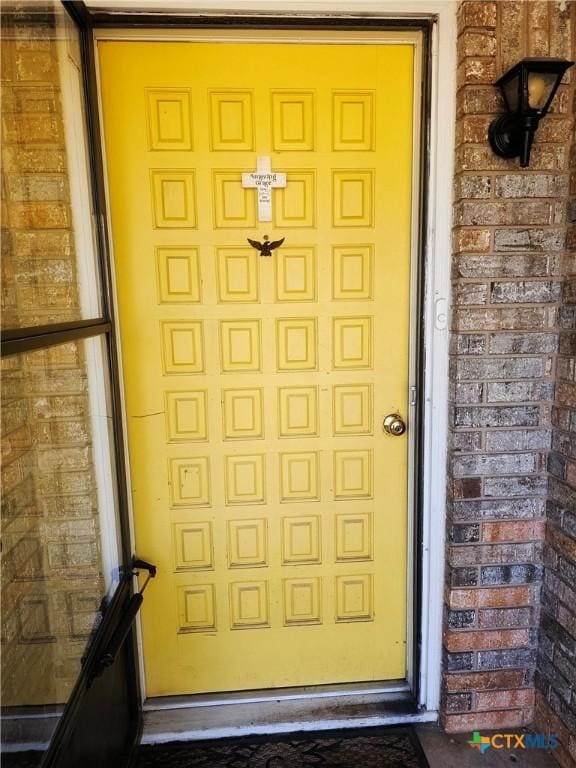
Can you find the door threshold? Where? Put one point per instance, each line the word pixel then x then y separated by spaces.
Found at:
pixel 275 694
pixel 218 716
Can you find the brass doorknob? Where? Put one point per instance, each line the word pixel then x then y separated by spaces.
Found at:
pixel 394 425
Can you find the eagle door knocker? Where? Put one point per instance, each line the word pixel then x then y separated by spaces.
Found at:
pixel 266 246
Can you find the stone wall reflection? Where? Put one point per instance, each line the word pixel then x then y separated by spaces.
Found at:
pixel 52 583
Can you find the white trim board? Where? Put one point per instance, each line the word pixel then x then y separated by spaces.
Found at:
pixel 438 241
pixel 436 290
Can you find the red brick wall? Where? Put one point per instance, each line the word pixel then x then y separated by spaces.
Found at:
pixel 556 665
pixel 510 293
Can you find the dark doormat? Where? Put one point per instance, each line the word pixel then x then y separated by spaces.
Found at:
pixel 354 748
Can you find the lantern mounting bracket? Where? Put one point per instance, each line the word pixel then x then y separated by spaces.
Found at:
pixel 511 136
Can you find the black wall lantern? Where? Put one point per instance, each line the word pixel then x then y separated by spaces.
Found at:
pixel 528 89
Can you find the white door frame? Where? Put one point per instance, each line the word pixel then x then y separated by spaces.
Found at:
pixel 438 249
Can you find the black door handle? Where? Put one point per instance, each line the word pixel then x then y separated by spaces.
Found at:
pixel 123 627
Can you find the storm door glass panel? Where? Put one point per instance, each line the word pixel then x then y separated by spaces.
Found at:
pixel 49 270
pixel 60 546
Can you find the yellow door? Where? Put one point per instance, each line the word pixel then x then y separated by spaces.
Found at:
pixel 263 485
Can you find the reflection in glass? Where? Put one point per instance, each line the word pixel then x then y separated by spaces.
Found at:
pixel 60 550
pixel 48 256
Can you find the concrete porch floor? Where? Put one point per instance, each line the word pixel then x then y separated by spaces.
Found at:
pixel 450 750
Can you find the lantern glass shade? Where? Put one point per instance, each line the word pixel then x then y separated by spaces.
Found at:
pixel 541 87
pixel 511 93
pixel 531 84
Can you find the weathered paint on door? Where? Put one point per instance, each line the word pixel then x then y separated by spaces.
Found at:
pixel 263 485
